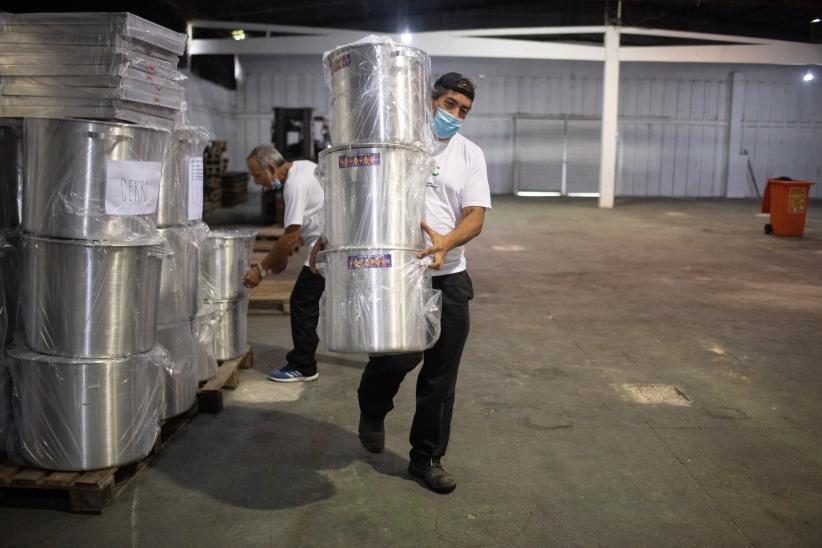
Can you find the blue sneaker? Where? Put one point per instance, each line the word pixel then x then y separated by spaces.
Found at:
pixel 288 373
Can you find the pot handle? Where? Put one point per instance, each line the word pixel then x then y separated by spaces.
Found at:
pixel 100 135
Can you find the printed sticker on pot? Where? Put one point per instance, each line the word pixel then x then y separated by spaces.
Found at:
pixel 340 63
pixel 195 188
pixel 359 160
pixel 132 188
pixel 364 262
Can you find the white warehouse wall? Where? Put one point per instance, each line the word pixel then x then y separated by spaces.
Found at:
pixel 214 107
pixel 682 127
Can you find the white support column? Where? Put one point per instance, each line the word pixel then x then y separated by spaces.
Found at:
pixel 610 119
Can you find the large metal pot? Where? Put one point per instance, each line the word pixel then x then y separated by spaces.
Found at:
pixel 67 162
pixel 173 206
pixel 86 300
pixel 378 301
pixel 380 93
pixel 79 414
pixel 180 278
pixel 224 261
pixel 231 328
pixel 181 376
pixel 11 171
pixel 374 195
pixel 10 266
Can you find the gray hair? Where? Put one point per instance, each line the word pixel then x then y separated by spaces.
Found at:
pixel 267 156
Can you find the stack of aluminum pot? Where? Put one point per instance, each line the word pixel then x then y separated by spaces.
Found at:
pixel 11 172
pixel 378 295
pixel 178 218
pixel 225 260
pixel 87 374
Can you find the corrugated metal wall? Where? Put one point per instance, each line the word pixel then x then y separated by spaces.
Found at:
pixel 674 127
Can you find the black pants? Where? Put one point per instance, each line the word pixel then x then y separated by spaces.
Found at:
pixel 436 383
pixel 305 313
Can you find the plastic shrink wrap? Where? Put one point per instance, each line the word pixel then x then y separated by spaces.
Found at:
pixel 380 93
pixel 204 328
pixel 11 171
pixel 180 374
pixel 374 195
pixel 378 301
pixel 10 269
pixel 179 280
pixel 181 186
pixel 231 328
pixel 73 414
pixel 92 180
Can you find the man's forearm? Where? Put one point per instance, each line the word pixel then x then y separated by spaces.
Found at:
pixel 468 228
pixel 282 249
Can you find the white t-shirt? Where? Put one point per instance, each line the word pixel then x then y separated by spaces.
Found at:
pixel 460 180
pixel 303 197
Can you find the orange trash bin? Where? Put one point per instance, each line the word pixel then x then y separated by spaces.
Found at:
pixel 787 202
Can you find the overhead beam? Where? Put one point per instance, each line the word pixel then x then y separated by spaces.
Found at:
pixel 766 54
pixel 433 44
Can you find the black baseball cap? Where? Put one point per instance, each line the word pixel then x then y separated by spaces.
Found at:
pixel 456 82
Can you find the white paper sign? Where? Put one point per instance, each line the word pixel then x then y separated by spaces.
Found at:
pixel 195 188
pixel 132 188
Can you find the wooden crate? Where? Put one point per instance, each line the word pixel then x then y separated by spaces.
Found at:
pixel 272 295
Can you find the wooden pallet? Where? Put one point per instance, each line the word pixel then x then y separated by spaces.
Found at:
pixel 90 492
pixel 272 295
pixel 210 395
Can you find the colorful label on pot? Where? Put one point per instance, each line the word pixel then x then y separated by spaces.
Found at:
pixel 359 160
pixel 362 262
pixel 341 62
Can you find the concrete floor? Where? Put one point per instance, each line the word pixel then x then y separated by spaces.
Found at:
pixel 647 376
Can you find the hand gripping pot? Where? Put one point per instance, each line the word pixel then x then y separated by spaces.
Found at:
pixel 380 93
pixel 224 261
pixel 378 301
pixel 88 300
pixel 91 180
pixel 374 195
pixel 82 414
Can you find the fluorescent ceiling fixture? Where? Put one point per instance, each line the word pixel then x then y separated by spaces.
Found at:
pixel 238 34
pixel 816 20
pixel 583 194
pixel 406 37
pixel 536 194
pixel 808 77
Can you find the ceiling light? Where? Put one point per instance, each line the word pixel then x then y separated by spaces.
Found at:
pixel 238 34
pixel 808 77
pixel 816 20
pixel 406 37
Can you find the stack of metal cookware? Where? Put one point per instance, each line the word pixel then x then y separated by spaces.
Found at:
pixel 226 256
pixel 90 65
pixel 11 171
pixel 87 374
pixel 378 295
pixel 179 217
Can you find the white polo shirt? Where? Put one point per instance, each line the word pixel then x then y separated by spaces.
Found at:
pixel 459 180
pixel 303 197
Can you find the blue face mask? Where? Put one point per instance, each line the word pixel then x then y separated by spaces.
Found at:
pixel 276 185
pixel 446 125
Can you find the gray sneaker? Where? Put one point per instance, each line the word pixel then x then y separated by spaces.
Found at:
pixel 372 434
pixel 433 475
